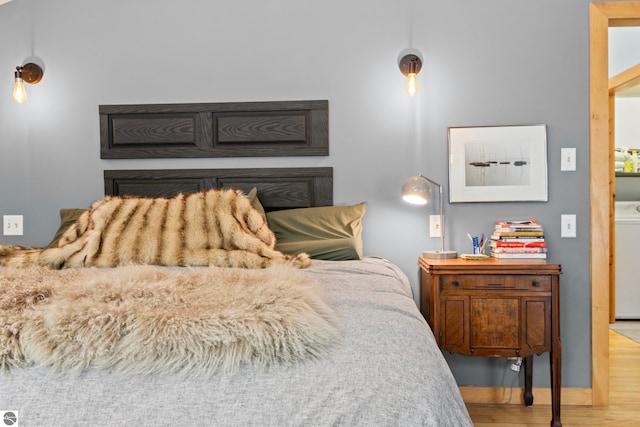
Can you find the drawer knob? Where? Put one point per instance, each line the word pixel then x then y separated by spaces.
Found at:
pixel 536 284
pixel 456 283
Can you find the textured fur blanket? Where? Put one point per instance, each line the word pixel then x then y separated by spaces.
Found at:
pixel 145 320
pixel 215 227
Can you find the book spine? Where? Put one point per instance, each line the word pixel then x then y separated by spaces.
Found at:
pixel 515 256
pixel 519 250
pixel 531 225
pixel 518 229
pixel 497 235
pixel 507 244
pixel 516 239
pixel 511 223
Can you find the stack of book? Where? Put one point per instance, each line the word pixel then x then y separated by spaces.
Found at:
pixel 518 239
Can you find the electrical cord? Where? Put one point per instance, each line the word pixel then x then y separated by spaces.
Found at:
pixel 512 366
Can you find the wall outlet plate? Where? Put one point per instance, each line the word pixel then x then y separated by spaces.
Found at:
pixel 434 225
pixel 12 225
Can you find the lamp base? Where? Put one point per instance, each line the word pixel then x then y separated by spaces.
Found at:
pixel 440 254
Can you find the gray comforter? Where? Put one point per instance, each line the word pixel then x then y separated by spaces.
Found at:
pixel 387 371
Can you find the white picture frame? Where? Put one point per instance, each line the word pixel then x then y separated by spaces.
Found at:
pixel 498 164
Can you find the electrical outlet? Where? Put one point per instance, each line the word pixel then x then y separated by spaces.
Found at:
pixel 434 225
pixel 12 225
pixel 568 225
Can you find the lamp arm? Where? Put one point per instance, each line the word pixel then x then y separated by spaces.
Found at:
pixel 431 181
pixel 441 221
pixel 441 210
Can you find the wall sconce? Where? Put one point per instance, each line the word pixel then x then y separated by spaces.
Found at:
pixel 410 65
pixel 416 190
pixel 30 73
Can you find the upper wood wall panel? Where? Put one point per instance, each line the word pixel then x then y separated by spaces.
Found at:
pixel 234 129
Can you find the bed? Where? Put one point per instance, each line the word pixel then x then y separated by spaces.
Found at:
pixel 372 359
pixel 387 371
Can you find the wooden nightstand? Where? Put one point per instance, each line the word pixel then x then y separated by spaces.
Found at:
pixel 507 308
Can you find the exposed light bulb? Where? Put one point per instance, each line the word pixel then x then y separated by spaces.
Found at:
pixel 19 93
pixel 412 84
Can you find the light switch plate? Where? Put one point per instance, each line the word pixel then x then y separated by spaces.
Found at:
pixel 568 225
pixel 567 159
pixel 12 225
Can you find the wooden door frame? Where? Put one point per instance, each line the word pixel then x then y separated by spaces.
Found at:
pixel 602 16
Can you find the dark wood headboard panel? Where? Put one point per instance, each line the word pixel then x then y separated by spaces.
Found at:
pixel 233 129
pixel 278 188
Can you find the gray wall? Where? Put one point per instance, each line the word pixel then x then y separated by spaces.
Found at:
pixel 495 62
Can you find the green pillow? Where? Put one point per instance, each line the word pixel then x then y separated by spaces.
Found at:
pixel 328 232
pixel 67 218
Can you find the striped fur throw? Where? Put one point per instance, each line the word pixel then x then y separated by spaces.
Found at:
pixel 216 227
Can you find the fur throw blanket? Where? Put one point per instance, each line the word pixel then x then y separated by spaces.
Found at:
pixel 145 320
pixel 215 227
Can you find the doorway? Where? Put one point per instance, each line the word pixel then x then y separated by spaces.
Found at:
pixel 602 16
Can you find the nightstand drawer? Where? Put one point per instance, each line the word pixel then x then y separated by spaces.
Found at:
pixel 495 281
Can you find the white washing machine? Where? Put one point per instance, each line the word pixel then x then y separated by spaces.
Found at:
pixel 627 260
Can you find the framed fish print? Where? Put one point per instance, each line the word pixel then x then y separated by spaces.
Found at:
pixel 498 164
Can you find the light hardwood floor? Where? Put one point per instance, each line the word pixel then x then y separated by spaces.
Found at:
pixel 623 410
